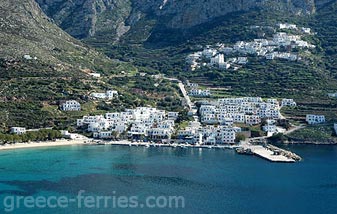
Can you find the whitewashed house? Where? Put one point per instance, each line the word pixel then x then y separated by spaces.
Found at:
pixel 218 59
pixel 18 130
pixel 199 93
pixel 70 105
pixel 306 30
pixel 159 133
pixel 107 95
pixel 288 102
pixel 96 75
pixel 242 60
pixel 110 94
pixel 287 26
pixel 270 127
pixel 209 53
pixel 172 115
pixel 252 119
pixel 103 135
pixel 228 136
pixel 315 119
pixel 333 95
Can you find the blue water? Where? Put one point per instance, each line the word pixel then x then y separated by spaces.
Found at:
pixel 211 181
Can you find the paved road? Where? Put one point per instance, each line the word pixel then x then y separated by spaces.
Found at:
pixel 183 91
pixel 187 98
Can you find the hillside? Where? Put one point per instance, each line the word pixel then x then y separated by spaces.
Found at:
pixel 26 30
pixel 308 81
pixel 42 66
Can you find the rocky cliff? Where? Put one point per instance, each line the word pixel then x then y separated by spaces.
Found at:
pixel 88 18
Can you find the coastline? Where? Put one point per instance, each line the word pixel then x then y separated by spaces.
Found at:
pixel 43 144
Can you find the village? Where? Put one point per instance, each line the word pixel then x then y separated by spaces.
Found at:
pixel 282 45
pixel 213 123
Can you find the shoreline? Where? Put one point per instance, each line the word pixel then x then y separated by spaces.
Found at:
pixel 89 141
pixel 43 144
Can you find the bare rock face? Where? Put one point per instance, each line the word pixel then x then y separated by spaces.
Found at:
pixel 88 18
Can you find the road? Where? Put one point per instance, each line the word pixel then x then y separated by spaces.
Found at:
pixel 183 91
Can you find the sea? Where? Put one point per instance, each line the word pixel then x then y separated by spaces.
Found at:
pixel 122 179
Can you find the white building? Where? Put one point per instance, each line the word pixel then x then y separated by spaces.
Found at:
pixel 228 136
pixel 172 115
pixel 315 119
pixel 140 120
pixel 199 93
pixel 306 30
pixel 288 102
pixel 18 130
pixel 242 60
pixel 270 127
pixel 96 75
pixel 252 119
pixel 159 133
pixel 287 26
pixel 103 135
pixel 209 53
pixel 333 95
pixel 70 105
pixel 107 95
pixel 218 59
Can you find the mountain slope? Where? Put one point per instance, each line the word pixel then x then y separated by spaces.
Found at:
pixel 26 30
pixel 111 19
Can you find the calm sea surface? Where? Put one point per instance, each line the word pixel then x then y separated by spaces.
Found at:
pixel 211 181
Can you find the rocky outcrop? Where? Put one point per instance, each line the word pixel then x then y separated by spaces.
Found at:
pixel 86 18
pixel 89 18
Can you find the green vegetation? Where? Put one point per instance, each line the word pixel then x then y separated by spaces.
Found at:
pixel 317 133
pixel 41 135
pixel 240 137
pixel 31 93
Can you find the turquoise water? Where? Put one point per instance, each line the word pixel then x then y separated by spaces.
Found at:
pixel 211 181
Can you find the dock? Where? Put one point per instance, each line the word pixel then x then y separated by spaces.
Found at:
pixel 270 153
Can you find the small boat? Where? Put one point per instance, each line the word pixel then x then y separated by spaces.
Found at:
pixel 147 145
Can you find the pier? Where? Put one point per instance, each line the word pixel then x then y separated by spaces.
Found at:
pixel 270 153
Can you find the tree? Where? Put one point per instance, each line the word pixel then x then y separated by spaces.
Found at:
pixel 240 137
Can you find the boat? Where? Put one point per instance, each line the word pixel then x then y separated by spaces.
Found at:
pixel 244 151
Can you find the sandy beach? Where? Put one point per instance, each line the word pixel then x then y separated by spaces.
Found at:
pixel 62 142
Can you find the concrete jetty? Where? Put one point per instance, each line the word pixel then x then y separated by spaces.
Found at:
pixel 271 153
